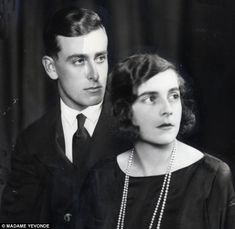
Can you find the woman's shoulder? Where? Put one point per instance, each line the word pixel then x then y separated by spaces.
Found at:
pixel 214 173
pixel 186 155
pixel 216 166
pixel 122 160
pixel 210 164
pixel 218 178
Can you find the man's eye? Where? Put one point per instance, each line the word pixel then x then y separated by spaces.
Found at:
pixel 100 59
pixel 79 61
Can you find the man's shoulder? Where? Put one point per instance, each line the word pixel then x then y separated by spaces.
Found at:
pixel 42 125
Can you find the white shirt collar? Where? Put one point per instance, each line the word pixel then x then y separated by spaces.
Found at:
pixel 69 123
pixel 92 113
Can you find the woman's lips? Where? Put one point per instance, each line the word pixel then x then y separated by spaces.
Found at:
pixel 165 126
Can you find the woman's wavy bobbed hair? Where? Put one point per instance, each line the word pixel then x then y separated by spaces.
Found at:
pixel 124 81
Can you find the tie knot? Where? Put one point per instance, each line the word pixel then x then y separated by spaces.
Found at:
pixel 81 120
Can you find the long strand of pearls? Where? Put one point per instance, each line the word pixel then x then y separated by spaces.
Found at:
pixel 161 199
pixel 121 217
pixel 164 192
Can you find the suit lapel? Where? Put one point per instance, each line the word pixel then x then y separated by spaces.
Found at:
pixel 102 139
pixel 52 150
pixel 59 136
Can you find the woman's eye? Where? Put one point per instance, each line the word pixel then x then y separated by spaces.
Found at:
pixel 149 99
pixel 174 96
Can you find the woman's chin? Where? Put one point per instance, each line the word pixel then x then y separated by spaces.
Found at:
pixel 160 141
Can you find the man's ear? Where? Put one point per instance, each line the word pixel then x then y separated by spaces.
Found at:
pixel 49 67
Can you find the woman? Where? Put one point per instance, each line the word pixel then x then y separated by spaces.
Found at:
pixel 161 182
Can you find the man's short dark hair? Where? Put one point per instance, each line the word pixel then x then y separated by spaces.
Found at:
pixel 128 75
pixel 69 22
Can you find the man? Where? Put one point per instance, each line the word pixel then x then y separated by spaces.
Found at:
pixel 45 162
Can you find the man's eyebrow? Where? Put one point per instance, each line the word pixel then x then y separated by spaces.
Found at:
pixel 84 56
pixel 76 56
pixel 101 53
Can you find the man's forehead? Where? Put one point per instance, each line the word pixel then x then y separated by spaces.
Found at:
pixel 95 41
pixel 88 44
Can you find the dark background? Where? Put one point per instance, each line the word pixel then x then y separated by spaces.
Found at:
pixel 198 35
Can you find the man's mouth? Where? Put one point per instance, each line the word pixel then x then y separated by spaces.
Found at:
pixel 93 89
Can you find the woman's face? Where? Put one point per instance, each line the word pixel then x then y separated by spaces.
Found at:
pixel 157 110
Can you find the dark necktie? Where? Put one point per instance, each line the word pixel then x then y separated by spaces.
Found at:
pixel 80 140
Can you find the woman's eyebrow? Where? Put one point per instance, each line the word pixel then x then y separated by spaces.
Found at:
pixel 148 93
pixel 156 93
pixel 174 89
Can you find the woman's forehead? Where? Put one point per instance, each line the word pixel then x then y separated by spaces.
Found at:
pixel 163 81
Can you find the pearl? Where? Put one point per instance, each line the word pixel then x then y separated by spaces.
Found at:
pixel 162 199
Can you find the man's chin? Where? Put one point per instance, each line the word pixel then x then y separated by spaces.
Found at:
pixel 94 101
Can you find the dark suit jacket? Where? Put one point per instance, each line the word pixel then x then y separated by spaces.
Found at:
pixel 44 185
pixel 4 169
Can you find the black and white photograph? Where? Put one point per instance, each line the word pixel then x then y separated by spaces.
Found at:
pixel 117 114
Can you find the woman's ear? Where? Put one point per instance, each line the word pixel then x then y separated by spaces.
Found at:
pixel 49 67
pixel 131 117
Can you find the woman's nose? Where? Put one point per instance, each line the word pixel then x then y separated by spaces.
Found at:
pixel 166 108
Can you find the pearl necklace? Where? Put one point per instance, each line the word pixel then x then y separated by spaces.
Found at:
pixel 161 199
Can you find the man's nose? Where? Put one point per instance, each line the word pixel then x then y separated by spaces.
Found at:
pixel 92 73
pixel 166 108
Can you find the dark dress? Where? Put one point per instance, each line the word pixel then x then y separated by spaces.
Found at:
pixel 200 196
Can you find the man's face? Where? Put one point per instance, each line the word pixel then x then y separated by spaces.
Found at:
pixel 81 69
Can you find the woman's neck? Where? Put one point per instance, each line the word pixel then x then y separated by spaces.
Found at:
pixel 151 159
